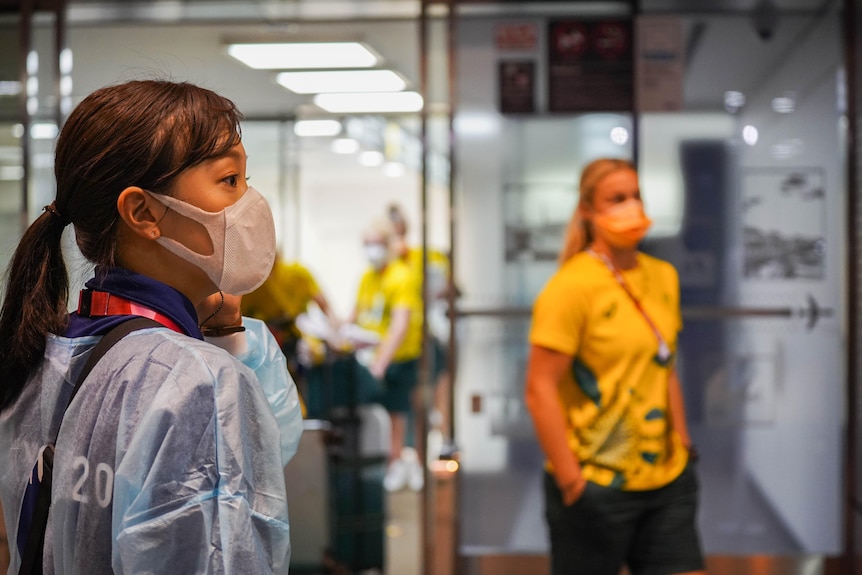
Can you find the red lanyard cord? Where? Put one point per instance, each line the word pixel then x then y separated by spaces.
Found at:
pixel 99 304
pixel 663 349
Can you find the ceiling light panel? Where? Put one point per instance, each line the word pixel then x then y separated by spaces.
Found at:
pixel 304 55
pixel 369 102
pixel 333 81
pixel 345 146
pixel 317 128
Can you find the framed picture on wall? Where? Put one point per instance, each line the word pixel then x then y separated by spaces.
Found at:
pixel 517 86
pixel 535 217
pixel 783 223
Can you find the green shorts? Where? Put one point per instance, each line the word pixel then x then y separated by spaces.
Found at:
pixel 398 383
pixel 339 383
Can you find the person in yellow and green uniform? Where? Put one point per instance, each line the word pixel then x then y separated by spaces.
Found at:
pixel 438 276
pixel 285 294
pixel 387 303
pixel 604 396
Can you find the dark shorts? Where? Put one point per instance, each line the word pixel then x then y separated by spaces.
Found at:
pixel 439 355
pixel 398 384
pixel 339 383
pixel 652 532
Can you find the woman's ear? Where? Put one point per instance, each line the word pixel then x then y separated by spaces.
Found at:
pixel 140 212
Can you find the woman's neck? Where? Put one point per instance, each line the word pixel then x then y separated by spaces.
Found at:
pixel 621 258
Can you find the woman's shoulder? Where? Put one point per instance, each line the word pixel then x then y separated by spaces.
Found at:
pixel 397 273
pixel 658 264
pixel 187 359
pixel 580 274
pixel 581 269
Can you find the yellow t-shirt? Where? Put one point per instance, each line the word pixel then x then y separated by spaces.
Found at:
pixel 379 294
pixel 438 269
pixel 285 294
pixel 615 396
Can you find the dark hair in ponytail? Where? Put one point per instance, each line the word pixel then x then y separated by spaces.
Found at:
pixel 141 133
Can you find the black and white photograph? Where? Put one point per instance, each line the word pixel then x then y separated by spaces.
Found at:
pixel 784 223
pixel 535 219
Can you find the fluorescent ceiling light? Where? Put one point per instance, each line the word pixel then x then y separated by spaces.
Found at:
pixel 619 135
pixel 315 82
pixel 305 55
pixel 783 105
pixel 345 146
pixel 394 169
pixel 369 102
pixel 733 101
pixel 749 135
pixel 10 88
pixel 371 158
pixel 472 124
pixel 44 131
pixel 317 128
pixel 11 173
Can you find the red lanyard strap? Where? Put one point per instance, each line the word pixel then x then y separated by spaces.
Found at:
pixel 663 349
pixel 99 304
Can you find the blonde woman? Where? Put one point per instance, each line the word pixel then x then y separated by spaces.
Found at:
pixel 604 395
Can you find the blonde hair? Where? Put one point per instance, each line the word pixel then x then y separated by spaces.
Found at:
pixel 381 226
pixel 396 217
pixel 578 234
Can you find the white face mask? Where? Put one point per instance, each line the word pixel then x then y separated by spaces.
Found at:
pixel 243 240
pixel 377 255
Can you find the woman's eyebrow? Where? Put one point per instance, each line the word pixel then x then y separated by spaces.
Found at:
pixel 229 155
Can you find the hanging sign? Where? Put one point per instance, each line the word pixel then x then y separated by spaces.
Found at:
pixel 512 37
pixel 590 65
pixel 659 63
pixel 517 86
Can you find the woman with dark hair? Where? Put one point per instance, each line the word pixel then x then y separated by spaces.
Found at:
pixel 604 395
pixel 169 458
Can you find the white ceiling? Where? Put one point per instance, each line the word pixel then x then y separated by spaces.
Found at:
pixel 198 53
pixel 114 41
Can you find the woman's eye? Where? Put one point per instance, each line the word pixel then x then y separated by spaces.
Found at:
pixel 232 180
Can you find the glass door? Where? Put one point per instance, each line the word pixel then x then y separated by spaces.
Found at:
pixel 738 129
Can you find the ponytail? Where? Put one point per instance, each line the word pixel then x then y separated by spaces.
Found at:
pixel 577 237
pixel 142 133
pixel 37 288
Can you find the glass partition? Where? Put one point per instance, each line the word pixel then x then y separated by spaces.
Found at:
pixel 743 174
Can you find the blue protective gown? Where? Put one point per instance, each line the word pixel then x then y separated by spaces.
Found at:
pixel 170 458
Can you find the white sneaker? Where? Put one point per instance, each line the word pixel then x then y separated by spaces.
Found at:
pixel 413 470
pixel 435 419
pixel 416 476
pixel 396 476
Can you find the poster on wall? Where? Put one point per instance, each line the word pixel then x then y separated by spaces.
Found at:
pixel 517 86
pixel 784 223
pixel 515 36
pixel 590 65
pixel 659 57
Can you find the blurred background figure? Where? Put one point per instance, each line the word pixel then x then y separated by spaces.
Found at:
pixel 387 303
pixel 437 315
pixel 603 392
pixel 288 292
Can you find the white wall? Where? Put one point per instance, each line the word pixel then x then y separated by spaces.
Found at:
pixel 795 454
